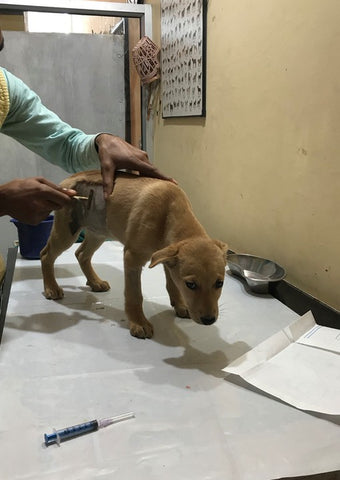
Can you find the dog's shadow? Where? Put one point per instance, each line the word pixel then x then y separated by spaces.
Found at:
pixel 79 304
pixel 210 354
pixel 204 350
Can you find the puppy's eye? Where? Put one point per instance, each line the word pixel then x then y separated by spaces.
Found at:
pixel 191 285
pixel 219 284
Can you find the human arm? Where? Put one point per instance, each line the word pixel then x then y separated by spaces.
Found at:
pixel 30 200
pixel 42 131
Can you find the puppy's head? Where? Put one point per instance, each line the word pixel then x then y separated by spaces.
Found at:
pixel 197 267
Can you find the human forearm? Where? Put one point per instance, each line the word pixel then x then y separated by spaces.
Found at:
pixel 42 131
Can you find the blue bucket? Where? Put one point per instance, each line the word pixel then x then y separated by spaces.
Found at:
pixel 33 238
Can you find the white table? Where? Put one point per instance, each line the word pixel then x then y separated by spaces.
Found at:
pixel 74 360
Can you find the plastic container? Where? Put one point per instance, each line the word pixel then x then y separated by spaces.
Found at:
pixel 33 238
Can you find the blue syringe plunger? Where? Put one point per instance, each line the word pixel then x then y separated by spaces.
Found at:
pixel 66 433
pixel 69 432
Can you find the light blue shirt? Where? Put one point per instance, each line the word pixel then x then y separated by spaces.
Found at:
pixel 29 122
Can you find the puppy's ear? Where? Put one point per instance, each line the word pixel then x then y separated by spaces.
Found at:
pixel 223 246
pixel 167 255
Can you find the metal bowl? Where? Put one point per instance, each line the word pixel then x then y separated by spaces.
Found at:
pixel 258 272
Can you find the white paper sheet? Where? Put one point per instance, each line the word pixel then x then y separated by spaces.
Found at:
pixel 300 365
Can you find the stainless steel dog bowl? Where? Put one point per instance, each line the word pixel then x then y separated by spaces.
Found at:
pixel 258 272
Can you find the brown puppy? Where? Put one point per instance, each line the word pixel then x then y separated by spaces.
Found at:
pixel 153 219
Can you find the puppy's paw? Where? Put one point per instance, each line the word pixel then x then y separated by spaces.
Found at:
pixel 141 331
pixel 101 286
pixel 182 311
pixel 54 293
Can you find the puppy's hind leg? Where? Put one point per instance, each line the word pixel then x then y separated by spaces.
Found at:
pixel 60 240
pixel 84 254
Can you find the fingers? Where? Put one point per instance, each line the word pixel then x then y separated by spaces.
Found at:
pixel 108 174
pixel 66 191
pixel 31 200
pixel 54 195
pixel 117 154
pixel 148 170
pixel 145 169
pixel 69 192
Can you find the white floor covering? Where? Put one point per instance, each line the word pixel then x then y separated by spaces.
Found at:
pixel 65 362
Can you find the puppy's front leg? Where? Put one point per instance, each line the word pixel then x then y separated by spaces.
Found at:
pixel 175 296
pixel 139 326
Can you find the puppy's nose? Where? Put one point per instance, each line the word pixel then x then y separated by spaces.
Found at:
pixel 207 320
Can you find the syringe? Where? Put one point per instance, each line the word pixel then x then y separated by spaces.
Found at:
pixel 66 433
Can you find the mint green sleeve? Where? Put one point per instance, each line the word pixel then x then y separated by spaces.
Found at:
pixel 42 131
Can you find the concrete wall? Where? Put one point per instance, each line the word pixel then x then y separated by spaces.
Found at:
pixel 262 169
pixel 80 77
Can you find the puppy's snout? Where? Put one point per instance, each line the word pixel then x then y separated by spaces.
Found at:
pixel 207 320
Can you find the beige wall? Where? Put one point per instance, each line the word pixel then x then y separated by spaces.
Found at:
pixel 263 168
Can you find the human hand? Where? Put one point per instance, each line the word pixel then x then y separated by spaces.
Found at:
pixel 115 153
pixel 30 200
